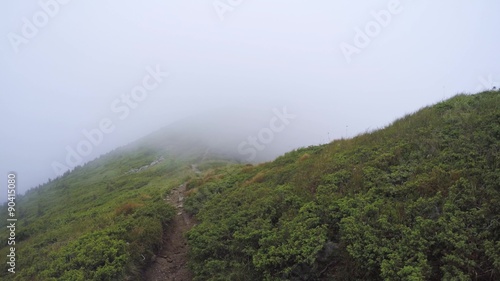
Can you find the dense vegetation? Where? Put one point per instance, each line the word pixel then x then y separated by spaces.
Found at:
pixel 99 222
pixel 417 200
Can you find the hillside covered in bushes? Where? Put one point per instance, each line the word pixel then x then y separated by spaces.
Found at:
pixel 417 200
pixel 102 221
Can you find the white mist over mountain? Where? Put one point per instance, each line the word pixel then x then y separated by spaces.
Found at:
pixel 126 69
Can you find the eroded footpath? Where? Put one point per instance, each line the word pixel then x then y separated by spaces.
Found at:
pixel 172 262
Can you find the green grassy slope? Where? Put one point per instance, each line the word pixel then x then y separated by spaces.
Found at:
pixel 417 200
pixel 98 222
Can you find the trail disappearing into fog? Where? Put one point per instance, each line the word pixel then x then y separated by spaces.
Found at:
pixel 172 261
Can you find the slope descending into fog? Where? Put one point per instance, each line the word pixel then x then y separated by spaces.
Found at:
pixel 417 200
pixel 106 220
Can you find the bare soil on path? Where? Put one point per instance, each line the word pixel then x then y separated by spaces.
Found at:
pixel 171 264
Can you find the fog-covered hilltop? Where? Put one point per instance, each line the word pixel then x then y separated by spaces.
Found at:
pixel 241 134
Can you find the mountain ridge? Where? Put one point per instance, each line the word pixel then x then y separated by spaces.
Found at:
pixel 403 202
pixel 416 200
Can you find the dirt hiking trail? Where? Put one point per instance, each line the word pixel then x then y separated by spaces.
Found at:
pixel 171 264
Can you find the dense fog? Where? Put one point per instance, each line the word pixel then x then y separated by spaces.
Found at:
pixel 258 78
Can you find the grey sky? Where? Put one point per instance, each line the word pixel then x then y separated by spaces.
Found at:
pixel 255 55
